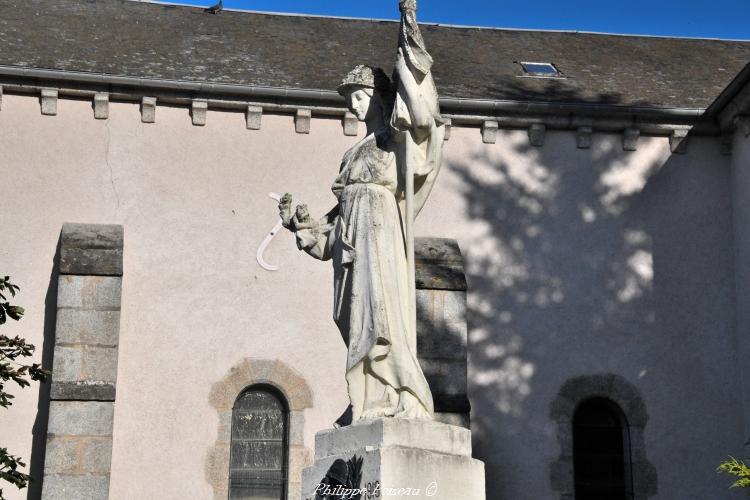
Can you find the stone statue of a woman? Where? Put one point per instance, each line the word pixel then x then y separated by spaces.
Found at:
pixel 365 235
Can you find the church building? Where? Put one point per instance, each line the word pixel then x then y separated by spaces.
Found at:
pixel 582 263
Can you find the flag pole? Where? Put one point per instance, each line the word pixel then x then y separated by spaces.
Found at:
pixel 409 185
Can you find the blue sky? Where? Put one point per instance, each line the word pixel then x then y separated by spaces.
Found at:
pixel 693 18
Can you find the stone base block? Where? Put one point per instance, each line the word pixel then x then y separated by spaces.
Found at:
pixel 399 458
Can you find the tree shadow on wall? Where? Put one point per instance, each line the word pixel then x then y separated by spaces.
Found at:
pixel 574 255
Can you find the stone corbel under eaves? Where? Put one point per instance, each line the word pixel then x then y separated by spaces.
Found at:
pixel 535 117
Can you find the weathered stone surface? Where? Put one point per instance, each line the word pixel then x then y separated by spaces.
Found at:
pixel 61 455
pixel 148 109
pixel 537 133
pixel 67 363
pixel 302 121
pixel 630 139
pixel 91 249
pixel 99 364
pixel 83 391
pixel 251 371
pixel 96 455
pixel 198 111
pixel 439 275
pixel 678 141
pixel 399 453
pixel 88 487
pixel 438 264
pixel 457 404
pixel 49 102
pixel 78 455
pixel 561 476
pixel 1 97
pixel 587 386
pixel 101 105
pixel 459 419
pixel 381 432
pixel 444 376
pixel 441 324
pixel 253 117
pixel 448 126
pixel 80 418
pixel 84 326
pixel 78 363
pixel 489 131
pixel 89 292
pixel 297 428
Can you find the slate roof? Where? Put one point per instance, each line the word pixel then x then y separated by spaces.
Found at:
pixel 148 40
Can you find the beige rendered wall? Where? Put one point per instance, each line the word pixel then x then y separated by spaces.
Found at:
pixel 578 262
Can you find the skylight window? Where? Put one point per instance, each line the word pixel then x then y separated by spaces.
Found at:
pixel 540 69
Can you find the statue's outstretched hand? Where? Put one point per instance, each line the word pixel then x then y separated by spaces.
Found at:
pixel 285 211
pixel 301 219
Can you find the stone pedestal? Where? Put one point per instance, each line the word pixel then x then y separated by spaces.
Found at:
pixel 400 459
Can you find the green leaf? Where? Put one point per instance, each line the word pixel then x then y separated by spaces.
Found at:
pixel 15 312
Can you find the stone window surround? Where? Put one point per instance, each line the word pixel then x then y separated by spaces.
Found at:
pixel 294 388
pixel 625 395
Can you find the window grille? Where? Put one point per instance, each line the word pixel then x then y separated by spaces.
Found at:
pixel 601 452
pixel 258 460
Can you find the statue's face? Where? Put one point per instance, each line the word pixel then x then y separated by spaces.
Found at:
pixel 359 102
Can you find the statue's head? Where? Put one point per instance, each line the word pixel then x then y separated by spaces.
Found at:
pixel 367 90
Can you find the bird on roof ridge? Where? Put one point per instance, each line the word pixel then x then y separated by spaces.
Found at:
pixel 215 9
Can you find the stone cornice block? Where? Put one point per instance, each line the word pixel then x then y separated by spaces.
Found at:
pixel 148 109
pixel 678 141
pixel 583 137
pixel 302 121
pixel 439 264
pixel 253 117
pixel 82 391
pixel 630 138
pixel 101 105
pixel 537 132
pixel 198 111
pixel 489 131
pixel 91 249
pixel 49 102
pixel 350 124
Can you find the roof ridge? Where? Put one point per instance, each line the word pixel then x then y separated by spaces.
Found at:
pixel 444 25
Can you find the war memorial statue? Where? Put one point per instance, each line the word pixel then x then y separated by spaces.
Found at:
pixel 394 444
pixel 383 183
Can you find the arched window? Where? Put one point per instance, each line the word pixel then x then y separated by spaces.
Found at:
pixel 258 461
pixel 601 452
